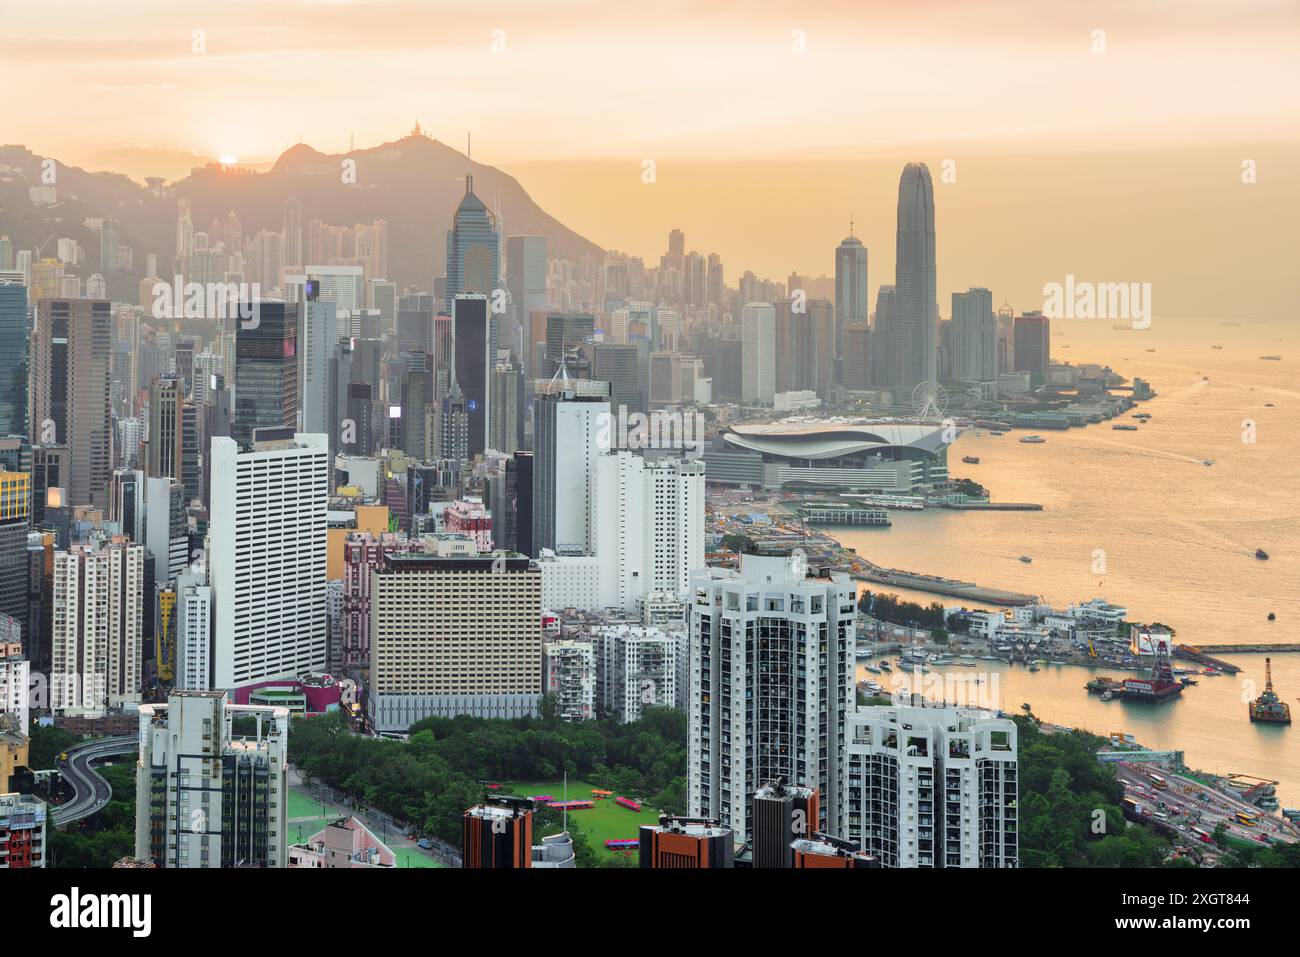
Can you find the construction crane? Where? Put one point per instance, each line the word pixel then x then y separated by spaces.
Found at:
pixel 1092 652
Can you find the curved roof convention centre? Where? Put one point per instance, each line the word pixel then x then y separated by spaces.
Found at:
pixel 827 440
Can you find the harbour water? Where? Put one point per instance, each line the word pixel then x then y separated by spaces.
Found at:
pixel 1139 519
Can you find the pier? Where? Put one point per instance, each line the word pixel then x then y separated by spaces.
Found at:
pixel 862 570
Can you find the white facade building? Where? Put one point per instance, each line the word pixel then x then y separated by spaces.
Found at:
pixel 636 668
pixel 97 614
pixel 569 581
pixel 267 558
pixel 569 676
pixel 193 630
pixel 772 686
pixel 933 787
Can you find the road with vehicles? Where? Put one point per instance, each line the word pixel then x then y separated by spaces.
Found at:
pixel 90 792
pixel 1187 806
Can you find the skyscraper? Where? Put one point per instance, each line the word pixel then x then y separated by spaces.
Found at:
pixel 98 595
pixel 975 336
pixel 166 428
pixel 568 418
pixel 884 343
pixel 915 323
pixel 319 337
pixel 471 338
pixel 473 249
pixel 13 358
pixel 526 281
pixel 851 305
pixel 205 799
pixel 1032 346
pixel 771 688
pixel 267 557
pixel 266 370
pixel 758 348
pixel 71 397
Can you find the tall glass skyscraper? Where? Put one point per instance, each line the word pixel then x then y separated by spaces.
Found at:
pixel 850 284
pixel 13 359
pixel 916 312
pixel 473 249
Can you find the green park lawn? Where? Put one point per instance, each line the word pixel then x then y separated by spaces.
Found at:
pixel 606 821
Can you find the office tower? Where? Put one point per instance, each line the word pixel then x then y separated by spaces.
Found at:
pixel 293 254
pixel 855 356
pixel 916 313
pixel 192 464
pixel 266 370
pixel 15 680
pixel 430 659
pixel 673 493
pixel 806 346
pixel 518 532
pixel 1032 346
pixel 851 304
pixel 110 238
pixel 453 424
pixel 267 557
pixel 636 668
pixel 318 337
pixel 772 684
pixel 686 843
pixel 565 331
pixel 619 365
pixel 15 515
pixel 884 342
pixel 22 831
pixel 526 281
pixel 471 342
pixel 1006 338
pixel 504 405
pixel 569 678
pixel 193 630
pixel 6 253
pixel 933 787
pixel 473 249
pixel 71 392
pixel 13 359
pixel 571 428
pixel 97 641
pixel 381 298
pixel 782 815
pixel 975 336
pixel 167 536
pixel 758 351
pixel 498 834
pixel 206 795
pixel 415 323
pixel 417 397
pixel 166 398
pixel 363 554
pixel 127 504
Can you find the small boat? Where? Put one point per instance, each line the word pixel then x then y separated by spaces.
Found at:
pixel 1261 554
pixel 1268 405
pixel 971 459
pixel 1033 667
pixel 1125 428
pixel 872 668
pixel 1208 462
pixel 1216 347
pixel 1026 559
pixel 997 433
pixel 1272 358
pixel 1108 696
pixel 1026 707
pixel 886 666
pixel 1033 440
pixel 1272 616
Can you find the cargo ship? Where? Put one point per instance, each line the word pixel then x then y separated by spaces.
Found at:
pixel 1268 708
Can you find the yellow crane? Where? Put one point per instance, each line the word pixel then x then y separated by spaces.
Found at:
pixel 1092 652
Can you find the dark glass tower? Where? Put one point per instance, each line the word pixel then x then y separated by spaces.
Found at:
pixel 473 249
pixel 472 361
pixel 13 359
pixel 266 370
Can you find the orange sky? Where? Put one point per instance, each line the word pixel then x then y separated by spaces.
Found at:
pixel 762 150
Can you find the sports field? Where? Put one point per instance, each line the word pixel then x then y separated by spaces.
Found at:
pixel 606 821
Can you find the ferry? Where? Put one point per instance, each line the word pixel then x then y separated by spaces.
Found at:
pixel 1033 440
pixel 971 459
pixel 1125 428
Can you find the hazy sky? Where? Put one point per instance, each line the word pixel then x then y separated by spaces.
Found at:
pixel 573 95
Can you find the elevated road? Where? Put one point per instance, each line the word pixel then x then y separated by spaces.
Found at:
pixel 90 792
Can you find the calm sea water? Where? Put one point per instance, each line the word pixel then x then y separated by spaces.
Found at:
pixel 1135 517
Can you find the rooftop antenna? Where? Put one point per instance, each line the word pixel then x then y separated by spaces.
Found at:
pixel 850 224
pixel 469 162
